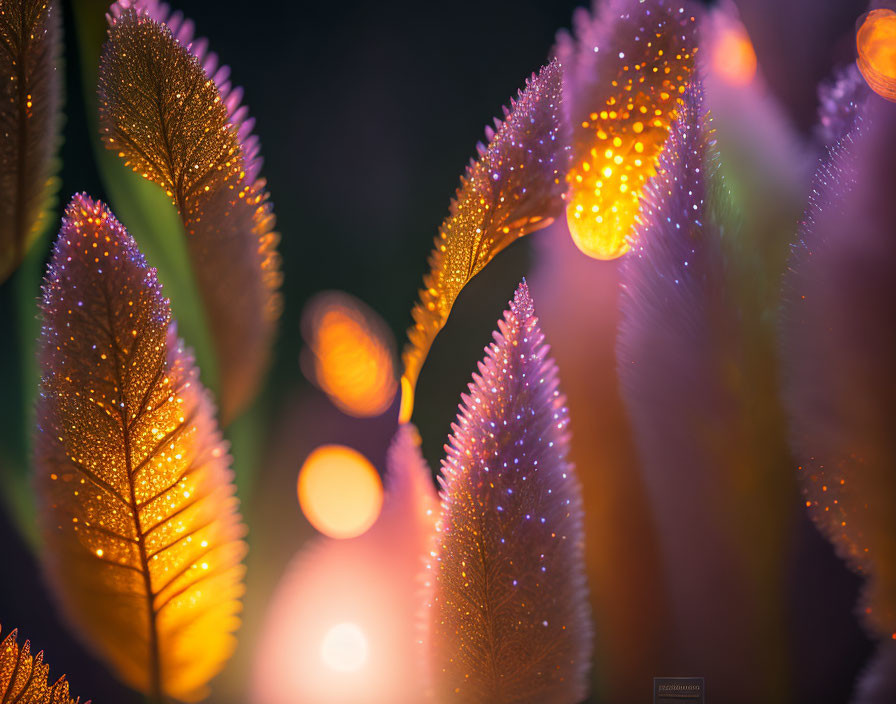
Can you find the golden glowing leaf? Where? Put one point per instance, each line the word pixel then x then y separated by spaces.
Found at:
pixel 628 68
pixel 876 46
pixel 23 676
pixel 350 353
pixel 163 112
pixel 30 98
pixel 516 187
pixel 138 510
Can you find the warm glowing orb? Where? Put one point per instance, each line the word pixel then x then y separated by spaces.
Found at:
pixel 876 45
pixel 618 137
pixel 351 353
pixel 344 648
pixel 339 491
pixel 733 57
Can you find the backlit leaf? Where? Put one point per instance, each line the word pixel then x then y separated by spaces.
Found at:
pixel 23 676
pixel 626 68
pixel 516 187
pixel 136 497
pixel 168 110
pixel 30 120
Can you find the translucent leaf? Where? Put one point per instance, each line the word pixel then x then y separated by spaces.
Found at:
pixel 167 109
pixel 509 618
pixel 24 677
pixel 626 68
pixel 30 121
pixel 136 497
pixel 516 187
pixel 838 347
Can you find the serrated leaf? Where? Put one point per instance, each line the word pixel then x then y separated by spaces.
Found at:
pixel 508 617
pixel 514 188
pixel 838 346
pixel 24 677
pixel 30 121
pixel 626 68
pixel 167 109
pixel 142 533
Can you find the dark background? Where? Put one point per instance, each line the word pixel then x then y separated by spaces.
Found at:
pixel 367 114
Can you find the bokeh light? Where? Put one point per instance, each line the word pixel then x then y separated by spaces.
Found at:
pixel 339 491
pixel 733 57
pixel 344 648
pixel 876 47
pixel 350 354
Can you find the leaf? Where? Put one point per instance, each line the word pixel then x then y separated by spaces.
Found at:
pixel 509 618
pixel 837 347
pixel 368 587
pixel 30 121
pixel 136 497
pixel 626 70
pixel 697 369
pixel 516 187
pixel 169 112
pixel 24 677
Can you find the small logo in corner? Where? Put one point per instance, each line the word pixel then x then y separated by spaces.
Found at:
pixel 679 690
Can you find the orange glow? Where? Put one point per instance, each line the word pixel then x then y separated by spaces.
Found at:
pixel 339 491
pixel 351 354
pixel 733 57
pixel 616 146
pixel 876 46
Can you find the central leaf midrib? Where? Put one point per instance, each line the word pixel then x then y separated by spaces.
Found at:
pixel 155 674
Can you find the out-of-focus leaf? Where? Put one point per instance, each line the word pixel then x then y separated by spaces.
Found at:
pixel 23 676
pixel 30 122
pixel 697 369
pixel 838 345
pixel 142 533
pixel 514 188
pixel 168 110
pixel 508 616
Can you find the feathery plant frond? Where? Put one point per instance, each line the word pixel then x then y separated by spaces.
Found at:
pixel 697 370
pixel 24 677
pixel 169 111
pixel 508 617
pixel 838 345
pixel 30 121
pixel 514 188
pixel 137 507
pixel 625 70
